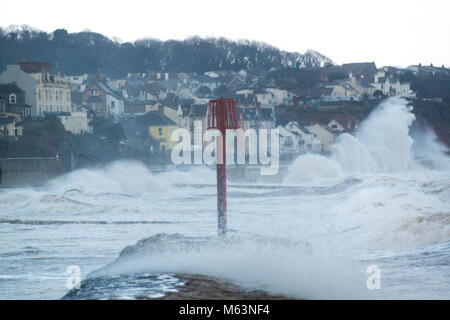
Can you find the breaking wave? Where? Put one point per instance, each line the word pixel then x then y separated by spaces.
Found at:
pixel 382 144
pixel 75 191
pixel 128 178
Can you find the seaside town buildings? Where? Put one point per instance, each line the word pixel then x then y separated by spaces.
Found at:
pixel 164 101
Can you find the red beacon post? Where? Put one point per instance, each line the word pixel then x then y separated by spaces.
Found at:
pixel 222 115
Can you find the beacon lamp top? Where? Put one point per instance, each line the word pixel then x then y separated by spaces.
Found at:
pixel 222 114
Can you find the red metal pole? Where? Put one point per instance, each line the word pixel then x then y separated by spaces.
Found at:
pixel 222 190
pixel 221 170
pixel 222 115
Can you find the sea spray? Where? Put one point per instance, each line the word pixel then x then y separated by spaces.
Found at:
pixel 382 144
pixel 279 266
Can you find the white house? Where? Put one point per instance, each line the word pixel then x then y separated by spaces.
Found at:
pixel 295 138
pixel 391 86
pixel 307 140
pixel 289 141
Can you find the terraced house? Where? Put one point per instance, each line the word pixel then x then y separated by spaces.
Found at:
pixel 45 91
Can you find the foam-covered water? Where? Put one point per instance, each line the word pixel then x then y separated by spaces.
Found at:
pixel 382 198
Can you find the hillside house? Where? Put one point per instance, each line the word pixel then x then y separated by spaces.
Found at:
pixel 390 85
pixel 100 98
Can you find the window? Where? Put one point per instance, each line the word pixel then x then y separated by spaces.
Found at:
pixel 160 133
pixel 94 92
pixel 12 98
pixel 113 104
pixel 288 141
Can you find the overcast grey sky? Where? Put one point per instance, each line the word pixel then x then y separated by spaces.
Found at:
pixel 389 32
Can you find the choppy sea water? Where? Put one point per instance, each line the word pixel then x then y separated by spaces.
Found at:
pixel 135 234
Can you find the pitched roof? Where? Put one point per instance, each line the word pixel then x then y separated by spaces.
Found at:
pixel 360 68
pixel 298 125
pixel 154 118
pixel 10 88
pixel 107 89
pixel 364 83
pixel 322 118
